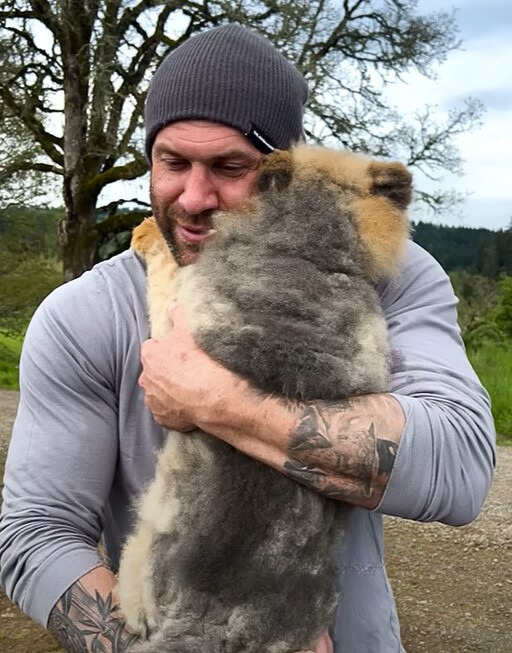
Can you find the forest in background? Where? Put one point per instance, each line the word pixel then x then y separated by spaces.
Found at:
pixel 479 262
pixel 477 251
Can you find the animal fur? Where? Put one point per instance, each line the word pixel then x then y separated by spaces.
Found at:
pixel 228 554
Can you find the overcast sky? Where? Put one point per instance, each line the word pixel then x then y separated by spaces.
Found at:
pixel 482 69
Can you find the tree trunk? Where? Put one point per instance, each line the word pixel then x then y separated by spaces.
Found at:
pixel 77 234
pixel 79 203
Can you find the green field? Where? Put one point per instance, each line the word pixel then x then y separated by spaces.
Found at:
pixel 10 348
pixel 493 364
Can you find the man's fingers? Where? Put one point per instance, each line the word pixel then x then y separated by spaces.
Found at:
pixel 324 645
pixel 180 328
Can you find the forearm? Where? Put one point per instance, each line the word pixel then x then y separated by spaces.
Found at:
pixel 86 618
pixel 345 450
pixel 438 413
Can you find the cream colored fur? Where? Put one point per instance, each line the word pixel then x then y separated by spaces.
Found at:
pixel 157 508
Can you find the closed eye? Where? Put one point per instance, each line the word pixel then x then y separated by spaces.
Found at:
pixel 226 168
pixel 175 164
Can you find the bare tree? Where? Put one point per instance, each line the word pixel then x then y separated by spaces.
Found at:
pixel 74 75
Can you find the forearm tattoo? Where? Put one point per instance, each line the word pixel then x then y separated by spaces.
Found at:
pixel 345 450
pixel 83 623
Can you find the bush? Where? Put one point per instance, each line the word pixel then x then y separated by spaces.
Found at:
pixel 477 296
pixel 25 283
pixel 482 331
pixel 503 312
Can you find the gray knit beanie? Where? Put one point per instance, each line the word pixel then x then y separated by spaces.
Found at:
pixel 232 76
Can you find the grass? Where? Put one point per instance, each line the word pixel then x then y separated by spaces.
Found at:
pixel 10 349
pixel 493 364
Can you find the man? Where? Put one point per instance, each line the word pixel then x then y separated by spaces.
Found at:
pixel 84 446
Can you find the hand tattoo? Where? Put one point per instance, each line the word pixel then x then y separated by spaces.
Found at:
pixel 83 623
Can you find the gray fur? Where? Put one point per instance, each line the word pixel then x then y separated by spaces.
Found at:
pixel 296 278
pixel 282 297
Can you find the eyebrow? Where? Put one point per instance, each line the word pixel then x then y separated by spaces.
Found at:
pixel 229 154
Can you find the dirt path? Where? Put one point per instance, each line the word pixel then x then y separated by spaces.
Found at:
pixel 18 634
pixel 453 585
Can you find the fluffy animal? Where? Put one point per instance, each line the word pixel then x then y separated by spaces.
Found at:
pixel 229 555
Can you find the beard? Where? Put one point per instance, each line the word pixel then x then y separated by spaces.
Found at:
pixel 167 218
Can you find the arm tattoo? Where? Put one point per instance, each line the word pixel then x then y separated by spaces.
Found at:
pixel 83 623
pixel 386 454
pixel 336 449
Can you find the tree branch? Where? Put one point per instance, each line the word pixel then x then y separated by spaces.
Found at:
pixel 130 170
pixel 42 11
pixel 28 166
pixel 46 140
pixel 132 77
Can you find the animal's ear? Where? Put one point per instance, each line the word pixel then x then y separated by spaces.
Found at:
pixel 147 238
pixel 391 180
pixel 276 171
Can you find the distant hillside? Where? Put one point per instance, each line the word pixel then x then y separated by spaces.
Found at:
pixel 27 231
pixel 480 251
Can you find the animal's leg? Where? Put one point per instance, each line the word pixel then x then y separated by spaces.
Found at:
pixel 135 582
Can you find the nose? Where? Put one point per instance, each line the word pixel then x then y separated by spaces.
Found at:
pixel 199 193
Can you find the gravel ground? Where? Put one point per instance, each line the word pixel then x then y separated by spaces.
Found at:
pixel 453 586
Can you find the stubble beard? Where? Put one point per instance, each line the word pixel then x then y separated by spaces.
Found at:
pixel 167 218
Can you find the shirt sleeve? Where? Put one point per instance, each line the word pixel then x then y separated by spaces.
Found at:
pixel 63 449
pixel 446 456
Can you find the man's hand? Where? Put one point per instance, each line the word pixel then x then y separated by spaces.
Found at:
pixel 182 383
pixel 324 645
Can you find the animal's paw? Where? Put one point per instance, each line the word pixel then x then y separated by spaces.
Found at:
pixel 138 623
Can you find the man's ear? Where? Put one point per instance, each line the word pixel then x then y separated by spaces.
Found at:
pixel 391 180
pixel 276 171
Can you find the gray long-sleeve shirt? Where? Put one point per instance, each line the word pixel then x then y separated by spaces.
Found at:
pixel 84 445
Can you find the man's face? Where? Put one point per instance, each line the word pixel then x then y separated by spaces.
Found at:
pixel 198 167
